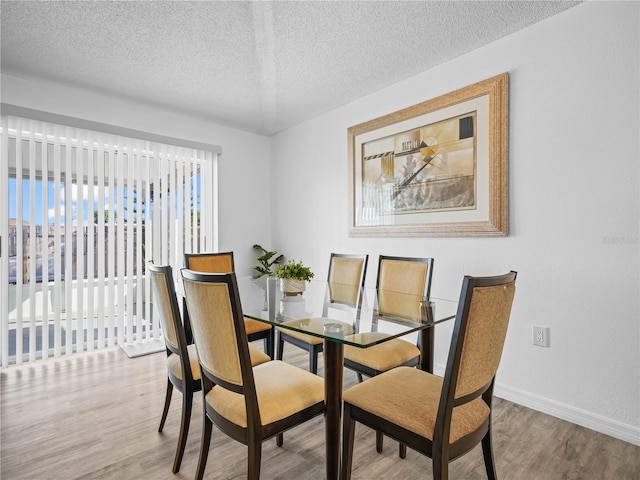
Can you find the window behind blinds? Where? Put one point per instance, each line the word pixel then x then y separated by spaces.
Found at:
pixel 81 214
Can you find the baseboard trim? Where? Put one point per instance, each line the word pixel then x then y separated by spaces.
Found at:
pixel 613 428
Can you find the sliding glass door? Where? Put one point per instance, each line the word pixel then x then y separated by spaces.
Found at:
pixel 81 213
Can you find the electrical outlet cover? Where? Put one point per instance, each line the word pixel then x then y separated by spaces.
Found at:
pixel 540 336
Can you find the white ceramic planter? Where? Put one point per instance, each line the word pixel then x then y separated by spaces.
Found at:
pixel 292 287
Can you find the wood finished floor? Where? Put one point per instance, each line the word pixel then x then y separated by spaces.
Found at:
pixel 95 416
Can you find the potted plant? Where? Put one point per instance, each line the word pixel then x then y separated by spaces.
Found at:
pixel 266 261
pixel 294 276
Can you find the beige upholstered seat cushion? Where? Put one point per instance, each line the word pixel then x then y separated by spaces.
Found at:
pixel 254 326
pixel 316 325
pixel 409 398
pixel 381 357
pixel 173 361
pixel 282 390
pixel 258 356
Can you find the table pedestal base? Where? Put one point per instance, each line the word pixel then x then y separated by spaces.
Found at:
pixel 333 375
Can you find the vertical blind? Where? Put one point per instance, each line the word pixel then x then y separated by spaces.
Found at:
pixel 81 214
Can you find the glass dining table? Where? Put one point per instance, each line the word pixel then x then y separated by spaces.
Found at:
pixel 344 315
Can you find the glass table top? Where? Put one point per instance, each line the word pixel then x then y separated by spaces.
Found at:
pixel 360 317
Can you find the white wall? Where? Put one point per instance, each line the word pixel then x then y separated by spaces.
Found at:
pixel 574 152
pixel 244 167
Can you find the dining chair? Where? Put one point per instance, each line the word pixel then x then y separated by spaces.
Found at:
pixel 442 418
pixel 345 282
pixel 183 371
pixel 222 262
pixel 248 404
pixel 397 277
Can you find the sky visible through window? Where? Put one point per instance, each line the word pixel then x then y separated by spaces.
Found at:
pixel 88 212
pixel 26 201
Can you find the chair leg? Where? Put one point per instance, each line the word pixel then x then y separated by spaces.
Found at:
pixel 402 450
pixel 359 377
pixel 204 447
pixel 255 454
pixel 313 360
pixel 487 453
pixel 167 402
pixel 440 466
pixel 279 439
pixel 185 421
pixel 348 434
pixel 379 441
pixel 280 351
pixel 268 344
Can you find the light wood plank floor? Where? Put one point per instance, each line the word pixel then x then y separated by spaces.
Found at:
pixel 95 416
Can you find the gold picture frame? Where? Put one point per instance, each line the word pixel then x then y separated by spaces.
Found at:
pixel 436 169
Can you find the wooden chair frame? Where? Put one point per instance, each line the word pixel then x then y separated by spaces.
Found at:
pixel 364 370
pixel 315 349
pixel 439 448
pixel 187 385
pixel 414 362
pixel 255 433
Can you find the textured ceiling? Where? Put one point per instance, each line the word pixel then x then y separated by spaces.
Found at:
pixel 261 66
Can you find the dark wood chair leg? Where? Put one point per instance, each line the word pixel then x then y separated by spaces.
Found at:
pixel 167 402
pixel 279 439
pixel 268 343
pixel 487 453
pixel 313 360
pixel 348 435
pixel 204 447
pixel 280 351
pixel 379 441
pixel 440 466
pixel 402 450
pixel 185 421
pixel 255 454
pixel 359 377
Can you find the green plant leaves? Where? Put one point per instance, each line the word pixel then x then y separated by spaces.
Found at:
pixel 294 270
pixel 266 261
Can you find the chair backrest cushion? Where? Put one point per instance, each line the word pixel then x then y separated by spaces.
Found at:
pixel 214 263
pixel 484 338
pixel 345 276
pixel 213 327
pixel 164 307
pixel 346 270
pixel 396 279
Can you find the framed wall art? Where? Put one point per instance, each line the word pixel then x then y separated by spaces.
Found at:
pixel 438 168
